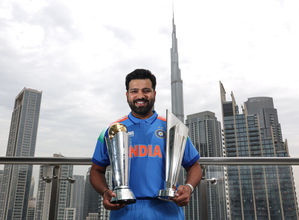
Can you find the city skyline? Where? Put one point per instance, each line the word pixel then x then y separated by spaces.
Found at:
pixel 75 100
pixel 256 192
pixel 70 59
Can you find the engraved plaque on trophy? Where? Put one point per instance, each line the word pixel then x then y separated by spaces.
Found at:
pixel 176 137
pixel 118 150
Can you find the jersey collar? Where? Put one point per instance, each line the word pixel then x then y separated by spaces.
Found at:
pixel 149 120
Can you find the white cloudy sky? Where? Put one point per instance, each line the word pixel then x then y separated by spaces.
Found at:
pixel 78 53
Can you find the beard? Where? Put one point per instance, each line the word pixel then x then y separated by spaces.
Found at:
pixel 142 110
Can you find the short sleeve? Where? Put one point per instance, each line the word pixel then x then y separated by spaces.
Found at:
pixel 100 155
pixel 191 155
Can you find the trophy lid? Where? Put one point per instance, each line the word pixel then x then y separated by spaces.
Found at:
pixel 116 127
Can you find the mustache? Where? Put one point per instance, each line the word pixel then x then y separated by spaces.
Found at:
pixel 140 100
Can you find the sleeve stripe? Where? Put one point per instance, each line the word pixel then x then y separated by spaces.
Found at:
pixel 161 118
pixel 191 162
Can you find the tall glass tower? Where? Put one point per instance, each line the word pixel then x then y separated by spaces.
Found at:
pixel 91 197
pixel 256 192
pixel 14 192
pixel 42 210
pixel 77 196
pixel 205 134
pixel 177 101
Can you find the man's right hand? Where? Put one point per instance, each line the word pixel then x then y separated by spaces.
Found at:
pixel 106 201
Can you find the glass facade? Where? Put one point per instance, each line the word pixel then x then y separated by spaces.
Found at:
pixel 205 134
pixel 15 188
pixel 256 192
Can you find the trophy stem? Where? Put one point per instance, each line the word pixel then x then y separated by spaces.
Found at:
pixel 118 150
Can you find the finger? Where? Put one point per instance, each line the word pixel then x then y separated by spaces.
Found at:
pixel 110 206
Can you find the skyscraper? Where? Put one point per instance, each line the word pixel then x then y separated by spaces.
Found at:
pixel 205 134
pixel 91 198
pixel 32 188
pixel 14 192
pixel 43 194
pixel 177 101
pixel 1 177
pixel 257 192
pixel 64 190
pixel 104 213
pixel 77 196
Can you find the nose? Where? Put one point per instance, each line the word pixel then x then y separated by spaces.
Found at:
pixel 140 95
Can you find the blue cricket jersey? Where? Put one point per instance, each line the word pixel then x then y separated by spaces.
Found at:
pixel 147 152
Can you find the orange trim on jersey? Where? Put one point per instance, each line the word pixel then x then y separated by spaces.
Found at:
pixel 121 119
pixel 161 118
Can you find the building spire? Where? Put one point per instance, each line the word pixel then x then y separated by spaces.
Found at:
pixel 177 102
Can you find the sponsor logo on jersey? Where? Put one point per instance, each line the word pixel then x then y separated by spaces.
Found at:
pixel 145 150
pixel 131 133
pixel 160 133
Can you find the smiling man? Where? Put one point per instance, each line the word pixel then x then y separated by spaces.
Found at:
pixel 147 131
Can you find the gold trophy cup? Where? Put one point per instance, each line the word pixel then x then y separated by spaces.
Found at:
pixel 118 150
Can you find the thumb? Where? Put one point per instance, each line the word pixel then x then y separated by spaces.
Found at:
pixel 113 194
pixel 179 191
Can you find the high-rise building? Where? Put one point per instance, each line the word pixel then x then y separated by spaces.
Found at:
pixel 31 208
pixel 14 192
pixel 104 213
pixel 32 188
pixel 256 192
pixel 77 196
pixel 205 134
pixel 64 190
pixel 91 198
pixel 69 214
pixel 1 177
pixel 93 216
pixel 177 101
pixel 43 194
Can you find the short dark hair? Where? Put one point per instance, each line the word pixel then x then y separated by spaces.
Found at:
pixel 141 74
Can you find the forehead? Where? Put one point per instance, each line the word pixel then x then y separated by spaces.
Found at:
pixel 140 84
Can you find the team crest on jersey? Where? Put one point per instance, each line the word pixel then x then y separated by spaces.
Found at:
pixel 160 133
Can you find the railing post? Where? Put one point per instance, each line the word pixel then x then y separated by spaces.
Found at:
pixel 55 193
pixel 204 194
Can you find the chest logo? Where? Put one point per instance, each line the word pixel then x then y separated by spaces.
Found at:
pixel 131 133
pixel 160 133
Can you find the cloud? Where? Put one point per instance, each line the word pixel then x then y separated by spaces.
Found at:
pixel 78 53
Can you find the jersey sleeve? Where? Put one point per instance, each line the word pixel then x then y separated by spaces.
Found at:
pixel 191 155
pixel 100 155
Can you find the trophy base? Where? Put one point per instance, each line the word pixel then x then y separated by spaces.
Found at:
pixel 166 194
pixel 123 196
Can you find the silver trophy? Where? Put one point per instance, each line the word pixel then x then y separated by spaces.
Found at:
pixel 118 150
pixel 176 137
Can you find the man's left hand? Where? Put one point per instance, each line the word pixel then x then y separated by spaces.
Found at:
pixel 182 195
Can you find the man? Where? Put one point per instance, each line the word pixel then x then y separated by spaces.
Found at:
pixel 147 146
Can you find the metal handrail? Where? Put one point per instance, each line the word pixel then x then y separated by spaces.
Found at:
pixel 202 160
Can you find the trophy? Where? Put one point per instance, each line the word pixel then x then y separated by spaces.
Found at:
pixel 176 137
pixel 118 150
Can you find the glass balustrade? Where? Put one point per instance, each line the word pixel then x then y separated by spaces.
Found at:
pixel 231 188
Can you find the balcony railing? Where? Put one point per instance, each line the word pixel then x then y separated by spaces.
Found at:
pixel 203 161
